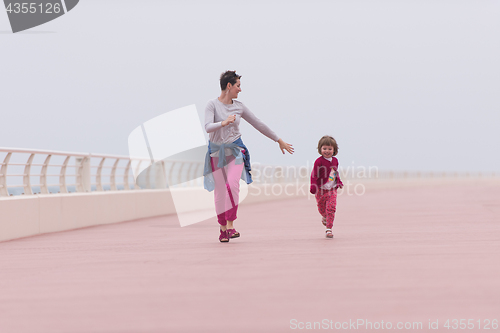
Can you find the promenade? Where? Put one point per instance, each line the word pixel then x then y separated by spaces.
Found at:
pixel 400 254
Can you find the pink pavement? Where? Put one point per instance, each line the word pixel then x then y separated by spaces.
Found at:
pixel 399 255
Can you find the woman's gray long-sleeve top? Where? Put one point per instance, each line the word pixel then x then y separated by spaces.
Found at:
pixel 216 112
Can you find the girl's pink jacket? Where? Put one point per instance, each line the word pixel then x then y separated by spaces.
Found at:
pixel 321 172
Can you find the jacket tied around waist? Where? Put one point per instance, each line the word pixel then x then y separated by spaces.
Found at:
pixel 208 177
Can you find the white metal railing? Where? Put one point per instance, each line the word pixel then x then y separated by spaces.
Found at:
pixel 28 172
pixel 54 166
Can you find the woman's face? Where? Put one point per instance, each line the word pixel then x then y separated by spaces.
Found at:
pixel 234 89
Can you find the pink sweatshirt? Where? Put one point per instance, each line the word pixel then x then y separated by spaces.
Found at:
pixel 321 172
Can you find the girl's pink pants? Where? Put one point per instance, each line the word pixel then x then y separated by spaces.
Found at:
pixel 227 189
pixel 327 205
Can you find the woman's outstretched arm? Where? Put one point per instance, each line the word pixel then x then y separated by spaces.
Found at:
pixel 264 129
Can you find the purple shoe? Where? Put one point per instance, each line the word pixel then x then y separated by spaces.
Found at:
pixel 232 233
pixel 223 238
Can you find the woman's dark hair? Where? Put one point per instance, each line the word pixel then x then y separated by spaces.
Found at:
pixel 228 77
pixel 328 141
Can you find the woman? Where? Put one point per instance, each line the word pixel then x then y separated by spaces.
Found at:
pixel 228 159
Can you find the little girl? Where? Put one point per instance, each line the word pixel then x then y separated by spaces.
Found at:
pixel 325 180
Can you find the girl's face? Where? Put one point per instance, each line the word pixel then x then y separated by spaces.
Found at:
pixel 326 151
pixel 234 89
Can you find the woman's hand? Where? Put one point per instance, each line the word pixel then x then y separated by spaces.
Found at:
pixel 229 120
pixel 285 146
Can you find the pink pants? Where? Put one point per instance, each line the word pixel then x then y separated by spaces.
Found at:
pixel 327 205
pixel 227 189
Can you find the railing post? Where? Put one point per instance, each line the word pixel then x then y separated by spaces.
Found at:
pixel 197 172
pixel 83 174
pixel 137 168
pixel 277 171
pixel 43 178
pixel 170 176
pixel 126 186
pixel 98 178
pixel 148 178
pixel 160 177
pixel 26 176
pixel 62 176
pixel 4 191
pixel 189 180
pixel 112 178
pixel 179 175
pixel 86 178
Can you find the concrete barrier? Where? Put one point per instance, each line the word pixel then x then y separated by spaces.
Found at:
pixel 24 216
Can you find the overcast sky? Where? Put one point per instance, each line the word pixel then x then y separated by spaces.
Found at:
pixel 402 85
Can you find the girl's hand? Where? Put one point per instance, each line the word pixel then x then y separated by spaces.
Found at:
pixel 229 120
pixel 285 146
